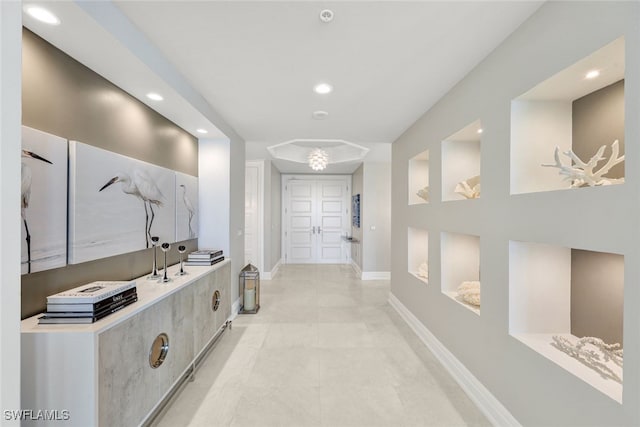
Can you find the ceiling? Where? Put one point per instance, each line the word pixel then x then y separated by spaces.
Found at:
pixel 249 66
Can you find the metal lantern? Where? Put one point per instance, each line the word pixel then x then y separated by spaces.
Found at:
pixel 250 289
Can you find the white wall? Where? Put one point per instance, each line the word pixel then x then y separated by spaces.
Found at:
pixel 376 217
pixel 236 212
pixel 534 389
pixel 274 226
pixel 10 148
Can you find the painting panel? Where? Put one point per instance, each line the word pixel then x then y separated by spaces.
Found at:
pixel 186 207
pixel 43 201
pixel 116 203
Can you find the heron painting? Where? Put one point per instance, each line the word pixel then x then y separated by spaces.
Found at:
pixel 117 203
pixel 43 201
pixel 186 207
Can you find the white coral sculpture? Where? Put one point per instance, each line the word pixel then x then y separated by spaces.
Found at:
pixel 581 173
pixel 423 193
pixel 469 188
pixel 470 292
pixel 423 270
pixel 595 359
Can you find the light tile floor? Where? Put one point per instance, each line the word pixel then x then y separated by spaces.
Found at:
pixel 325 349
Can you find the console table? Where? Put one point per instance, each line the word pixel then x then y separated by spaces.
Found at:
pixel 101 373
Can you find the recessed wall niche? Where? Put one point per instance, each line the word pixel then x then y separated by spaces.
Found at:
pixel 578 110
pixel 460 258
pixel 461 163
pixel 418 251
pixel 419 178
pixel 558 295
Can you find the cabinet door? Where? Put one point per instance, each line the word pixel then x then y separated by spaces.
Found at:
pixel 206 320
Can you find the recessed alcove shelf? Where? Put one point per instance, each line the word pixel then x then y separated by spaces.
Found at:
pixel 418 251
pixel 572 112
pixel 419 178
pixel 556 290
pixel 461 163
pixel 460 258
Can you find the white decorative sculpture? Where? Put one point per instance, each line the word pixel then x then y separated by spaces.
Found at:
pixel 596 356
pixel 423 270
pixel 423 193
pixel 470 292
pixel 469 188
pixel 581 173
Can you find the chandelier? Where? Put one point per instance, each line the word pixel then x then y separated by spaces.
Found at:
pixel 318 159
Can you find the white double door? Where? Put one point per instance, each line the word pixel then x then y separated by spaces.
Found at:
pixel 316 213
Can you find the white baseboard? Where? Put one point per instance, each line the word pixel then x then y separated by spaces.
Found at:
pixel 375 275
pixel 268 275
pixel 491 407
pixel 356 268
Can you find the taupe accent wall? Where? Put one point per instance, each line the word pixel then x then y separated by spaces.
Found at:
pixel 598 119
pixel 63 97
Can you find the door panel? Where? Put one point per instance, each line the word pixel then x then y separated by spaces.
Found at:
pixel 301 211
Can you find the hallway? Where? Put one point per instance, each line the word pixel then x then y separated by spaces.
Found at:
pixel 325 349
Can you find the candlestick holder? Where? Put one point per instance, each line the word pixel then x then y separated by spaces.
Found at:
pixel 154 270
pixel 165 248
pixel 181 250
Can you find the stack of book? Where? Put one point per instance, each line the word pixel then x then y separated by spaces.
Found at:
pixel 205 257
pixel 89 303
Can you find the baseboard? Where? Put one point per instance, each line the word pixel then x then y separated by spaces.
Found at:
pixel 268 275
pixel 375 275
pixel 491 407
pixel 356 268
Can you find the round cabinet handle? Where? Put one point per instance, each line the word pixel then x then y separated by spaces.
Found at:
pixel 215 302
pixel 159 350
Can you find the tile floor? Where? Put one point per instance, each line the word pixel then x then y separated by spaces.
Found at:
pixel 325 349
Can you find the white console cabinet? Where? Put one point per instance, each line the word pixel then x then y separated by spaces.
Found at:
pixel 100 373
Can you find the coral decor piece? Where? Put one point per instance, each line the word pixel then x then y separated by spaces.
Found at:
pixel 470 292
pixel 423 193
pixel 581 173
pixel 593 353
pixel 469 188
pixel 423 270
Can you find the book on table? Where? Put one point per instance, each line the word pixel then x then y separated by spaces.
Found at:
pixel 204 262
pixel 91 292
pixel 83 317
pixel 111 301
pixel 205 254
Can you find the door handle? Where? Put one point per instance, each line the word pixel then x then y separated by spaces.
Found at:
pixel 314 230
pixel 319 229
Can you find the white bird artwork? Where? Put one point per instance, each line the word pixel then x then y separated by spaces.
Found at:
pixel 143 187
pixel 25 190
pixel 190 209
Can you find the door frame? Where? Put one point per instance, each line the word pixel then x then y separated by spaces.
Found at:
pixel 285 203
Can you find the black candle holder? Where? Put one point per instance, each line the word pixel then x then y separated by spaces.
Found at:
pixel 154 270
pixel 181 251
pixel 165 248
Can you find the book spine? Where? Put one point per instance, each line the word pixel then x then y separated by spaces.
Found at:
pixel 105 313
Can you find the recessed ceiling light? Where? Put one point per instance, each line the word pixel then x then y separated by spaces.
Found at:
pixel 323 88
pixel 592 74
pixel 320 115
pixel 202 131
pixel 480 130
pixel 42 14
pixel 154 96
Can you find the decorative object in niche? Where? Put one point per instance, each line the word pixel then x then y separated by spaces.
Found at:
pixel 43 201
pixel 181 250
pixel 186 207
pixel 423 270
pixel 423 193
pixel 582 174
pixel 469 188
pixel 165 248
pixel 154 267
pixel 593 353
pixel 469 292
pixel 111 222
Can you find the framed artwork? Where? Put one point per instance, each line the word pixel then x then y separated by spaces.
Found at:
pixel 43 201
pixel 355 210
pixel 186 207
pixel 116 203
